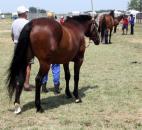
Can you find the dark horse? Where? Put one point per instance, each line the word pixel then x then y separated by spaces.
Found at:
pixel 106 23
pixel 54 43
pixel 117 21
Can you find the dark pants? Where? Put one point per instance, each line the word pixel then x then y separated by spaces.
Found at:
pixel 132 29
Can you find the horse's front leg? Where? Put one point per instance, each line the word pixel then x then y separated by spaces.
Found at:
pixel 115 28
pixel 37 92
pixel 77 66
pixel 67 78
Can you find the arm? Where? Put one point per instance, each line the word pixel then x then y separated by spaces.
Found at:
pixel 12 36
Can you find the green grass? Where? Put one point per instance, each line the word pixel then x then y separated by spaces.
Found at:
pixel 110 88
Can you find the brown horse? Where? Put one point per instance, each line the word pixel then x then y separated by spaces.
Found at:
pixel 117 21
pixel 51 43
pixel 106 23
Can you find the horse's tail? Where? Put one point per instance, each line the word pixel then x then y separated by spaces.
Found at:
pixel 19 62
pixel 103 27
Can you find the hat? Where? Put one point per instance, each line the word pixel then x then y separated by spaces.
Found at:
pixel 22 9
pixel 50 14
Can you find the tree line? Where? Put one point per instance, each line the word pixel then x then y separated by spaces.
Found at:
pixel 36 10
pixel 135 4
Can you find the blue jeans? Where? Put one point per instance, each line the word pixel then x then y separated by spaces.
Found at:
pixel 56 75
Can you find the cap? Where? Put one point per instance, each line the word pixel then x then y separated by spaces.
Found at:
pixel 22 9
pixel 50 14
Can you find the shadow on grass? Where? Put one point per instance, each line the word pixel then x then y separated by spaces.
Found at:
pixel 55 101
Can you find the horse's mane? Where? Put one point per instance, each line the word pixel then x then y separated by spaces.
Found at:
pixel 112 13
pixel 79 18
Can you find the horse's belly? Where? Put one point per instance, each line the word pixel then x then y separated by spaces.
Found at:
pixel 62 58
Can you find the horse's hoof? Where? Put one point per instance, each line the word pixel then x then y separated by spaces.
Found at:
pixel 78 100
pixel 69 96
pixel 40 110
pixel 17 108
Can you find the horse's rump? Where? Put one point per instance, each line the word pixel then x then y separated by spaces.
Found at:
pixel 59 42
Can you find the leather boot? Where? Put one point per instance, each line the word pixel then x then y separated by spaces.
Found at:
pixel 44 89
pixel 56 89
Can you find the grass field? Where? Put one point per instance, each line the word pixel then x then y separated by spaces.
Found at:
pixel 110 87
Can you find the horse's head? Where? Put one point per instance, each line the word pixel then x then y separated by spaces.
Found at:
pixel 89 26
pixel 93 33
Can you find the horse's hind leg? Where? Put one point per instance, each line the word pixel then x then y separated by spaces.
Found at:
pixel 110 36
pixel 102 37
pixel 115 28
pixel 67 78
pixel 77 66
pixel 38 81
pixel 106 37
pixel 19 87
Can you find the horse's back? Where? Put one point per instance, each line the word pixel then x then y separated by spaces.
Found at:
pixel 54 42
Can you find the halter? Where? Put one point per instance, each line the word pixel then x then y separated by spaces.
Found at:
pixel 93 25
pixel 92 28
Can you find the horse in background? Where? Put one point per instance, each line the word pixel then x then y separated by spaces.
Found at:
pixel 106 23
pixel 117 21
pixel 51 43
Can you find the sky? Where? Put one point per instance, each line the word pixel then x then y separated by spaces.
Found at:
pixel 63 6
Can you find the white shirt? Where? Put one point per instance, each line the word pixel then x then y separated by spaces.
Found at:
pixel 17 27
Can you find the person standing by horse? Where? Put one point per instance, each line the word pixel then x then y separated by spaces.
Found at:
pixel 17 27
pixel 62 20
pixel 132 22
pixel 125 25
pixel 55 71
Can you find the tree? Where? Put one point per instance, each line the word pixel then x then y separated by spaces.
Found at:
pixel 42 11
pixel 33 10
pixel 135 4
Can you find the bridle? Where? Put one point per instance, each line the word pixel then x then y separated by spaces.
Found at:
pixel 94 26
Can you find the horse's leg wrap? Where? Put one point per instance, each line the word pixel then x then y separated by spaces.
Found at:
pixel 17 108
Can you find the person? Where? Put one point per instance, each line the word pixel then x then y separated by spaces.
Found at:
pixel 62 20
pixel 125 25
pixel 56 79
pixel 132 22
pixel 16 29
pixel 55 71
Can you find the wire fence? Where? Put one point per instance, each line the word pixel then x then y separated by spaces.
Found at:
pixel 139 18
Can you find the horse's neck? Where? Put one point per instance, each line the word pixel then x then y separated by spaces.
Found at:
pixel 112 14
pixel 75 25
pixel 119 18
